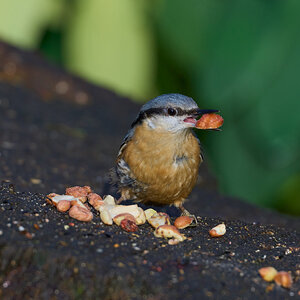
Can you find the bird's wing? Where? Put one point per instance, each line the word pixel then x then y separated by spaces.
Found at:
pixel 127 138
pixel 122 169
pixel 201 152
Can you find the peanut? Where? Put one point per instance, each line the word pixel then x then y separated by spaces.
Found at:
pixel 267 273
pixel 79 192
pixel 183 222
pixel 169 231
pixel 141 218
pixel 159 219
pixel 284 279
pixel 209 121
pixel 149 213
pixel 95 200
pixel 218 231
pixel 128 225
pixel 63 205
pixel 106 217
pixel 80 213
pixel 119 218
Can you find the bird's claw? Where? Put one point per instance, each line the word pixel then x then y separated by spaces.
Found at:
pixel 188 214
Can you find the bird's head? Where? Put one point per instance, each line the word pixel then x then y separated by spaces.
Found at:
pixel 170 112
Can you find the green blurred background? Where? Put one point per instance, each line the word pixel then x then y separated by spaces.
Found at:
pixel 240 56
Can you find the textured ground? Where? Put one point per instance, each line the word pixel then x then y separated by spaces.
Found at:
pixel 57 131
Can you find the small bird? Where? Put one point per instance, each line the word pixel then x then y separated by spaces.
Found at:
pixel 159 158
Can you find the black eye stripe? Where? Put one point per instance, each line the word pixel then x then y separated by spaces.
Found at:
pixel 162 111
pixel 172 111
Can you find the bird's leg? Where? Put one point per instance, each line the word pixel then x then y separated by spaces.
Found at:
pixel 185 212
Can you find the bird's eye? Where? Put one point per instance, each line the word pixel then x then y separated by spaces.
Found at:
pixel 172 111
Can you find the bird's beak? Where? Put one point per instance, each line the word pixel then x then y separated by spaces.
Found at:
pixel 199 111
pixel 192 119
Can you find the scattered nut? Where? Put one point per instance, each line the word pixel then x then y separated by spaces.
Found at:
pixel 173 242
pixel 119 218
pixel 77 202
pixel 149 213
pixel 49 198
pixel 183 222
pixel 63 205
pixel 209 121
pixel 109 200
pixel 88 189
pixel 141 218
pixel 79 192
pixel 284 279
pixel 80 213
pixel 121 209
pixel 267 273
pixel 59 198
pixel 159 219
pixel 169 231
pixel 128 225
pixel 106 217
pixel 36 226
pixel 105 207
pixel 95 200
pixel 218 231
pixel 54 198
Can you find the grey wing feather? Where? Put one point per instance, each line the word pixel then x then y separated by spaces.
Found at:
pixel 126 139
pixel 122 170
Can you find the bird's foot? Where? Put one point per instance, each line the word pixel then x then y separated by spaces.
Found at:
pixel 185 212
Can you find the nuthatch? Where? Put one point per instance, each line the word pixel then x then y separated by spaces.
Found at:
pixel 159 159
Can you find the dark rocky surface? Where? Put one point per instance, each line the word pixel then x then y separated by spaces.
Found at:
pixel 57 131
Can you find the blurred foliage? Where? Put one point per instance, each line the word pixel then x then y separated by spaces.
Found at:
pixel 22 22
pixel 120 52
pixel 243 57
pixel 240 56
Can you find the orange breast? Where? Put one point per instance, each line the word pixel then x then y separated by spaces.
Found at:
pixel 166 163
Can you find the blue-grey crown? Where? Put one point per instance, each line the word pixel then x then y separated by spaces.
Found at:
pixel 171 100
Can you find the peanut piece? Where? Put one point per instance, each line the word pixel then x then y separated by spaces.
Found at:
pixel 63 205
pixel 159 219
pixel 209 121
pixel 128 225
pixel 95 200
pixel 120 209
pixel 77 202
pixel 80 213
pixel 149 213
pixel 169 231
pixel 218 231
pixel 183 222
pixel 141 218
pixel 119 218
pixel 109 200
pixel 49 198
pixel 79 192
pixel 173 242
pixel 284 279
pixel 267 273
pixel 106 217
